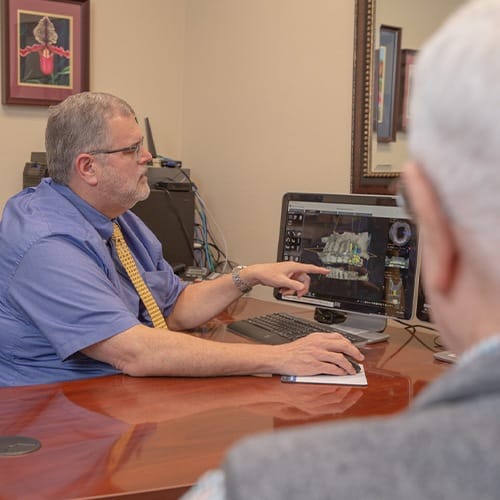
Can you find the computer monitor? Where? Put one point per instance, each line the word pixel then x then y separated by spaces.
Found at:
pixel 423 312
pixel 368 243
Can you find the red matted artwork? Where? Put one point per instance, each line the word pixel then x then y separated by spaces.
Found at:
pixel 45 50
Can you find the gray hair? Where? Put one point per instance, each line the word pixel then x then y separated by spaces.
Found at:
pixel 78 125
pixel 455 123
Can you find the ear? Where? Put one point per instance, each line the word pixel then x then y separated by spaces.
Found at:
pixel 85 168
pixel 440 254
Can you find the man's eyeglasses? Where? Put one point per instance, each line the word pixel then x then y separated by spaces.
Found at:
pixel 134 148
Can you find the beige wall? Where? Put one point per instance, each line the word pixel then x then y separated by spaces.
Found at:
pixel 418 21
pixel 137 51
pixel 253 95
pixel 267 109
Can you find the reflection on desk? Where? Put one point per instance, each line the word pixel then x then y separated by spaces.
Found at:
pixel 153 437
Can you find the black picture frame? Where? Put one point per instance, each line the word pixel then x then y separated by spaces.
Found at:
pixel 388 83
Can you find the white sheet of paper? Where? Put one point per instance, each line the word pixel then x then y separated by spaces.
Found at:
pixel 357 379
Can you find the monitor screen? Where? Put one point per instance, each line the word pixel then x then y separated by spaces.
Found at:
pixel 367 242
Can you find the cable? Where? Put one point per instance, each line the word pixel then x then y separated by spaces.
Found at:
pixel 425 327
pixel 412 330
pixel 209 254
pixel 438 343
pixel 204 209
pixel 413 335
pixel 398 350
pixel 407 326
pixel 204 213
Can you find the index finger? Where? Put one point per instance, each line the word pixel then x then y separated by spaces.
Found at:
pixel 313 269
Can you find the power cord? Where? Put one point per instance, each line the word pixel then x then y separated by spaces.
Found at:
pixel 412 330
pixel 207 252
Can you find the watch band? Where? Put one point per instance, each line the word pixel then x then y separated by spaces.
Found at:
pixel 240 283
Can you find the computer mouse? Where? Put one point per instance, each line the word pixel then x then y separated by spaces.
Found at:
pixel 354 363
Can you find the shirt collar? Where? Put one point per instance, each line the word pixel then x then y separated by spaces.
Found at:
pixel 99 221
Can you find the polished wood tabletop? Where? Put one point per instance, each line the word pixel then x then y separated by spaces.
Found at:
pixel 151 438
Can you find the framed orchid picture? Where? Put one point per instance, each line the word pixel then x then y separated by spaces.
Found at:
pixel 45 50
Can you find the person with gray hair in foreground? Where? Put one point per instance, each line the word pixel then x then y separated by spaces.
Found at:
pixel 446 445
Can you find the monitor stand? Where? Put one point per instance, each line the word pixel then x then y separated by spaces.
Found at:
pixel 351 320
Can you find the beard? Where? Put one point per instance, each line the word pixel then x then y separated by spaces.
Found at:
pixel 125 193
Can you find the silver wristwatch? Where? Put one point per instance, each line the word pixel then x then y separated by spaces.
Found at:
pixel 240 283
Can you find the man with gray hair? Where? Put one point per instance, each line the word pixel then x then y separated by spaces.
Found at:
pixel 84 288
pixel 446 446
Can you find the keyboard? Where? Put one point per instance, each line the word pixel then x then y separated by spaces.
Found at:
pixel 280 328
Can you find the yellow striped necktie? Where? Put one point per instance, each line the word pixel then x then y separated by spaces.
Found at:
pixel 123 252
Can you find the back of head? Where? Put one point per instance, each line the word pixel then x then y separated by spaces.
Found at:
pixel 77 125
pixel 455 130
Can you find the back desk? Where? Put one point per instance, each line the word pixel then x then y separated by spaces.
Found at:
pixel 151 438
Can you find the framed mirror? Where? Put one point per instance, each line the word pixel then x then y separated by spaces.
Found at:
pixel 388 35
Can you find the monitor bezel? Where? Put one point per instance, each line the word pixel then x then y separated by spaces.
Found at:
pixel 423 308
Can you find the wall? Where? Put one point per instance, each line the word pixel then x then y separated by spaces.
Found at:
pixel 418 20
pixel 137 53
pixel 21 131
pixel 267 109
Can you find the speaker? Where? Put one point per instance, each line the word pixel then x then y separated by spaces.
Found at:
pixel 169 213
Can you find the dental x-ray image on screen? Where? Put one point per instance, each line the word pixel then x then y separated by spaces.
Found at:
pixel 368 243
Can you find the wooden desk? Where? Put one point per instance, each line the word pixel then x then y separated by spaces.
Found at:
pixel 125 437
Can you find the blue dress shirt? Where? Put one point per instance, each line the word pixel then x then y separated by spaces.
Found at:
pixel 60 289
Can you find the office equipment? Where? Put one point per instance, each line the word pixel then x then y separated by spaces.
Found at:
pixel 169 209
pixel 169 213
pixel 208 253
pixel 354 363
pixel 164 161
pixel 448 356
pixel 175 178
pixel 368 243
pixel 35 169
pixel 423 311
pixel 194 273
pixel 280 328
pixel 149 139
